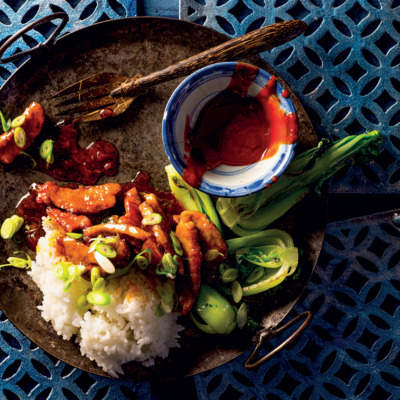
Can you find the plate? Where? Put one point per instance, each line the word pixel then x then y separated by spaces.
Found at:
pixel 128 46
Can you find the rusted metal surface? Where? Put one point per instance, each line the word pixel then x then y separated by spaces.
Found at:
pixel 129 46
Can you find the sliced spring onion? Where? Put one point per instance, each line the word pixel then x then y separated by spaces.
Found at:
pixel 166 292
pixel 141 260
pixel 60 270
pixel 50 158
pixel 74 235
pixel 46 149
pixel 106 250
pixel 177 244
pixel 16 122
pixel 99 285
pixel 119 272
pixel 169 263
pixel 68 283
pixel 152 219
pixel 18 221
pixel 237 291
pixel 7 229
pixel 255 275
pixel 94 275
pixel 215 311
pixel 104 263
pixel 242 315
pixel 34 163
pixel 20 137
pixel 5 125
pixel 230 275
pixel 159 312
pixel 98 298
pixel 18 262
pixel 82 302
pixel 211 255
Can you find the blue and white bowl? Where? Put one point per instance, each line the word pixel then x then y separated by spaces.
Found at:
pixel 187 101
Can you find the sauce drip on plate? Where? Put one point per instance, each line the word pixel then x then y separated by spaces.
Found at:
pixel 75 163
pixel 236 129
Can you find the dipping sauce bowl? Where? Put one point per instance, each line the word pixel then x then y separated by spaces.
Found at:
pixel 230 129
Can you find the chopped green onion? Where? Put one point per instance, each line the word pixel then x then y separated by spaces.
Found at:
pixel 242 315
pixel 159 312
pixel 237 291
pixel 18 262
pixel 104 263
pixel 46 149
pixel 98 298
pixel 152 219
pixel 255 275
pixel 177 244
pixel 74 235
pixel 34 163
pixel 20 137
pixel 7 229
pixel 68 283
pixel 82 302
pixel 166 292
pixel 18 221
pixel 16 122
pixel 50 159
pixel 230 275
pixel 141 261
pixel 94 275
pixel 106 250
pixel 212 254
pixel 99 285
pixel 6 126
pixel 170 266
pixel 119 272
pixel 60 270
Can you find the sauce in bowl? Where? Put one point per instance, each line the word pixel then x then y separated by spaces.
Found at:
pixel 236 129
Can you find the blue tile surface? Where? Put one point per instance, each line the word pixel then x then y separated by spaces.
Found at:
pixel 344 69
pixel 351 350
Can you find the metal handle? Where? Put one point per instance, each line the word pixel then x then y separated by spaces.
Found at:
pixel 50 40
pixel 270 333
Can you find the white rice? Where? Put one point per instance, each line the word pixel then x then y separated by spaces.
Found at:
pixel 126 330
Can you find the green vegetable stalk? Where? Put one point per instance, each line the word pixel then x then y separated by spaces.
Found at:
pixel 307 171
pixel 190 198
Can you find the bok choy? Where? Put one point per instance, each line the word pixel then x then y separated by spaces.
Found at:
pixel 253 213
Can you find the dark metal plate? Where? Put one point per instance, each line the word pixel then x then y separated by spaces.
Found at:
pixel 129 46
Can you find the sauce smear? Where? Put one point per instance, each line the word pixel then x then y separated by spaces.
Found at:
pixel 75 163
pixel 236 129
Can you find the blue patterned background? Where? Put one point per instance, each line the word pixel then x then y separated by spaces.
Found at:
pixel 345 71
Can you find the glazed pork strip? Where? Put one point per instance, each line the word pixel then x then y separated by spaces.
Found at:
pixel 83 200
pixel 132 234
pixel 70 222
pixel 75 251
pixel 160 231
pixel 131 203
pixel 187 234
pixel 34 120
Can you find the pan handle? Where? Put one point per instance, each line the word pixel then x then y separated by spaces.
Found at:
pixel 270 333
pixel 50 40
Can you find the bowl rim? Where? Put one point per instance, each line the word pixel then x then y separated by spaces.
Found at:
pixel 176 158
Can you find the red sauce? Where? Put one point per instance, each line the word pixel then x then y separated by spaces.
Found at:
pixel 235 129
pixel 106 113
pixel 32 212
pixel 75 163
